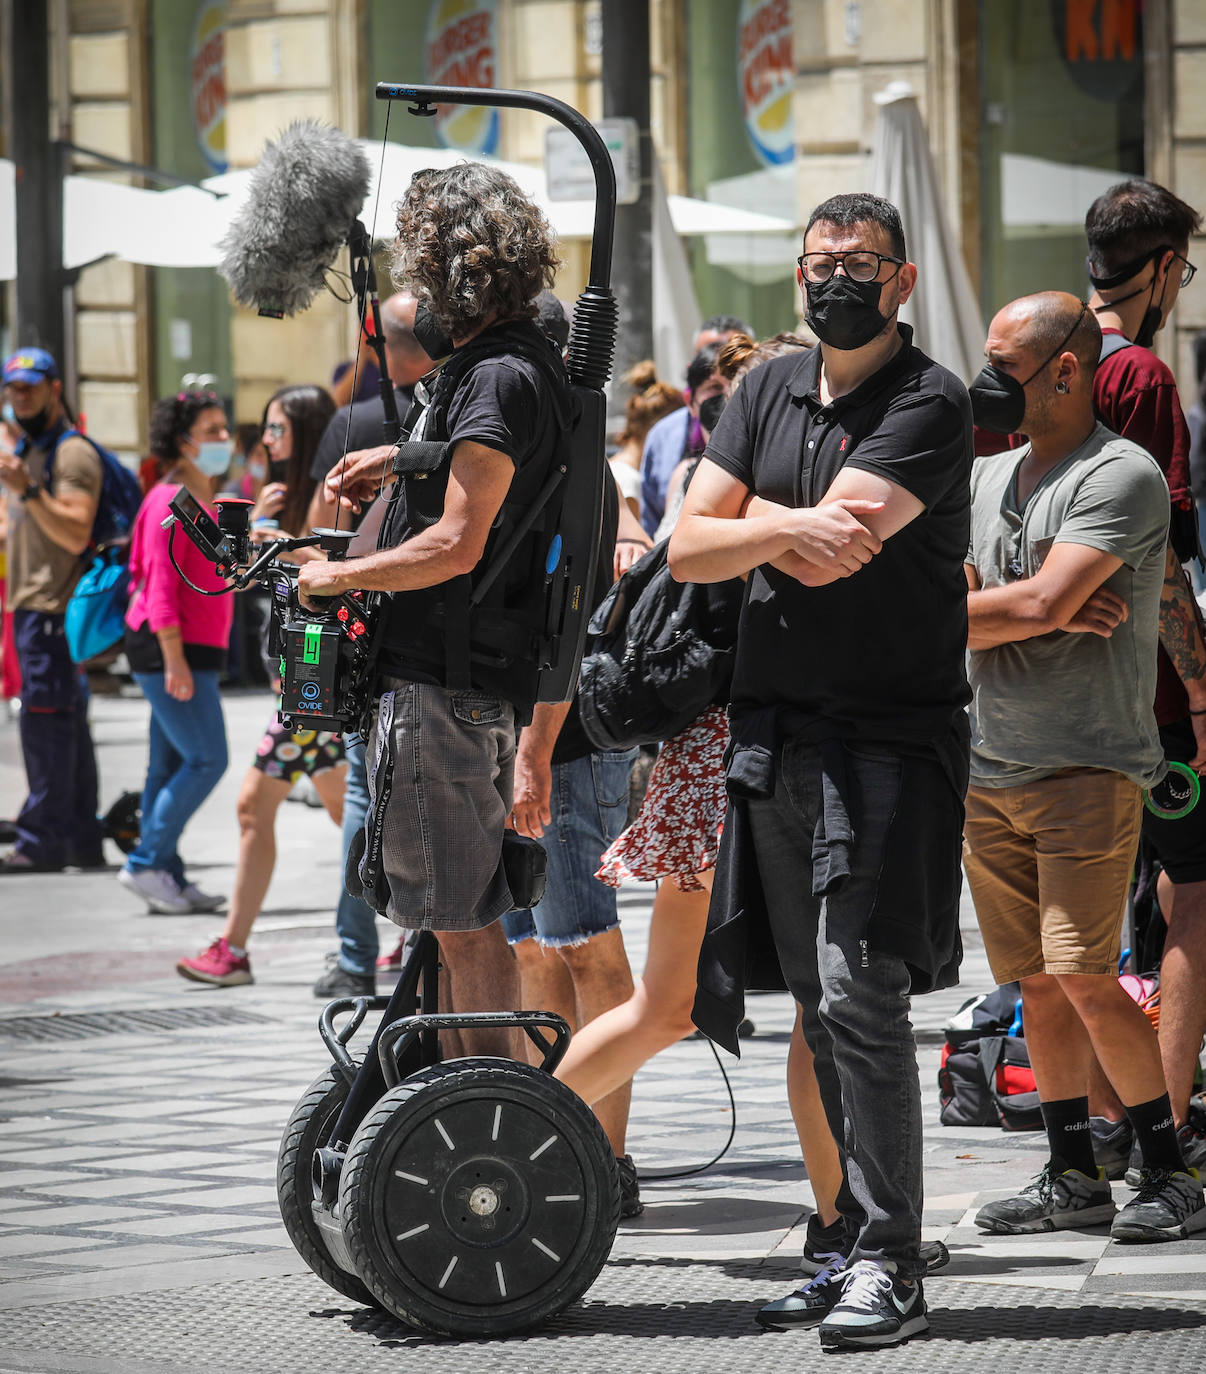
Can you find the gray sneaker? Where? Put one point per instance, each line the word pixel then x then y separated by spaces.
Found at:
pixel 1112 1144
pixel 1168 1206
pixel 1192 1139
pixel 1062 1202
pixel 340 982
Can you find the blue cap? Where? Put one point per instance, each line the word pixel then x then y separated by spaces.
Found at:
pixel 30 365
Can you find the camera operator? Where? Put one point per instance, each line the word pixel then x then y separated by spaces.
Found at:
pixel 475 253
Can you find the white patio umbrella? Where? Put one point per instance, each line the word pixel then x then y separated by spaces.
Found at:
pixel 943 309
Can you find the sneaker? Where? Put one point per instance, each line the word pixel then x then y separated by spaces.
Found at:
pixel 875 1308
pixel 822 1245
pixel 630 1189
pixel 217 965
pixel 1192 1139
pixel 156 887
pixel 392 962
pixel 1113 1142
pixel 201 901
pixel 808 1305
pixel 1057 1202
pixel 340 982
pixel 1168 1206
pixel 16 861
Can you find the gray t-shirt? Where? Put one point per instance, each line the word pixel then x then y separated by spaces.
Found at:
pixel 1066 699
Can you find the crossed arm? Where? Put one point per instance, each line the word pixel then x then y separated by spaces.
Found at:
pixel 724 530
pixel 1065 594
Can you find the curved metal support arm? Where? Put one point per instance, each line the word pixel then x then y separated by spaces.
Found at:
pixel 425 97
pixel 398 1036
pixel 336 1039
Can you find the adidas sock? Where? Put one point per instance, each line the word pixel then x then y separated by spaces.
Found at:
pixel 1156 1134
pixel 1068 1136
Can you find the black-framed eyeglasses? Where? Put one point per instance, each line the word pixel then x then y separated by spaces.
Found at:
pixel 274 430
pixel 858 265
pixel 1190 270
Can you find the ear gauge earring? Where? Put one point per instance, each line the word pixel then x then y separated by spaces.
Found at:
pixel 1062 388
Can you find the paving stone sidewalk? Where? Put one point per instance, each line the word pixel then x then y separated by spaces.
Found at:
pixel 140 1117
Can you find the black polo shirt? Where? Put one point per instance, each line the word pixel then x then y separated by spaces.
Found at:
pixel 878 655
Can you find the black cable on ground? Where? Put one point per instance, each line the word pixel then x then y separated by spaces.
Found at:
pixel 661 1174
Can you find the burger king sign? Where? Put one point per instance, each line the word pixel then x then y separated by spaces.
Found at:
pixel 766 77
pixel 462 50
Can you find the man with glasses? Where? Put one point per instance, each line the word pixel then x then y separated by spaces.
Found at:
pixel 1138 237
pixel 837 479
pixel 1065 570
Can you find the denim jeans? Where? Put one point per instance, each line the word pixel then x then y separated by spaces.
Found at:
pixel 187 757
pixel 57 824
pixel 355 920
pixel 589 805
pixel 854 998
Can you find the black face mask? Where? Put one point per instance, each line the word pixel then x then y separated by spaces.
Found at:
pixel 709 411
pixel 843 313
pixel 431 338
pixel 1153 316
pixel 998 400
pixel 35 425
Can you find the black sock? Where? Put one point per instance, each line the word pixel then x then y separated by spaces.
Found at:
pixel 1156 1134
pixel 1071 1144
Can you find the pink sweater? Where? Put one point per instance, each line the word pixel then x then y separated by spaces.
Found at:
pixel 158 596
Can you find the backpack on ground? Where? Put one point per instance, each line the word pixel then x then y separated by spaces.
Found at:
pixel 985 1078
pixel 658 653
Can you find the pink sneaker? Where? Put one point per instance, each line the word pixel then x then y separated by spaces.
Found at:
pixel 392 962
pixel 217 965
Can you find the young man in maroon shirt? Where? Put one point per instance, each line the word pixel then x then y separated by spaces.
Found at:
pixel 1138 235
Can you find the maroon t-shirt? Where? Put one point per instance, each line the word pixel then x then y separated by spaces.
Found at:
pixel 1136 396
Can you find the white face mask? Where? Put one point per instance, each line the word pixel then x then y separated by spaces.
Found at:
pixel 257 471
pixel 213 457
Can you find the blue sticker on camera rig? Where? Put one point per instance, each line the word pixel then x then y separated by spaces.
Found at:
pixel 553 557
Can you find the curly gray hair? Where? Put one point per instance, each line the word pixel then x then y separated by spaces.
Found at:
pixel 472 246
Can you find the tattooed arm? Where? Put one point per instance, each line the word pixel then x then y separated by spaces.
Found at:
pixel 1181 635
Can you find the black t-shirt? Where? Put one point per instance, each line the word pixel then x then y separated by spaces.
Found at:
pixel 368 417
pixel 503 403
pixel 879 655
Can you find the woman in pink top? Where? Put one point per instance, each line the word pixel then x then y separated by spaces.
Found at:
pixel 176 641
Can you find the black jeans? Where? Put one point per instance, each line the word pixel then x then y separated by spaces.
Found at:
pixel 854 999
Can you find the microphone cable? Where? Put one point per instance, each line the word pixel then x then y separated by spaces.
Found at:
pixel 661 1175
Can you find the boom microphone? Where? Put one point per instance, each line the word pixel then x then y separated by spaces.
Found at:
pixel 308 188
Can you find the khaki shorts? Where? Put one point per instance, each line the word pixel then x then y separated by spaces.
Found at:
pixel 1049 864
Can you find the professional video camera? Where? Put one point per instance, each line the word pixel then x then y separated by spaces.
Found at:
pixel 325 654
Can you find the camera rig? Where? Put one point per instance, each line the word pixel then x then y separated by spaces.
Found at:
pixel 326 654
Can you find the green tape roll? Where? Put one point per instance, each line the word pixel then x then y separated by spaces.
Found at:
pixel 1176 795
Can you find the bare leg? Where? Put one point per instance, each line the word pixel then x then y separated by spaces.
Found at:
pixel 1056 1039
pixel 544 985
pixel 329 787
pixel 1182 988
pixel 259 800
pixel 1103 1100
pixel 602 979
pixel 483 976
pixel 821 1157
pixel 607 1052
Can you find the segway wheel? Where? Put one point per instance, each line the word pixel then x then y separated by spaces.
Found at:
pixel 479 1198
pixel 307 1129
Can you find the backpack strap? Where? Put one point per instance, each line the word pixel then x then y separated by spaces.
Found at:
pixel 1113 343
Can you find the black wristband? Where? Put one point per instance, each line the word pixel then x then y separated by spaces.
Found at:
pixel 1202 712
pixel 32 489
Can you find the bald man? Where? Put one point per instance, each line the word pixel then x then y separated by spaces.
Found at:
pixel 1064 575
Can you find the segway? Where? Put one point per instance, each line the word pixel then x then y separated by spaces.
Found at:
pixel 476 1197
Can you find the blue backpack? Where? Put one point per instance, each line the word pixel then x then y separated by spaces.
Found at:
pixel 95 615
pixel 120 494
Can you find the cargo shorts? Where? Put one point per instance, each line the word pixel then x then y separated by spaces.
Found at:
pixel 448 799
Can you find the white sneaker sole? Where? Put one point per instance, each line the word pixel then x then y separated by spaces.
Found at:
pixel 232 980
pixel 154 904
pixel 837 1338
